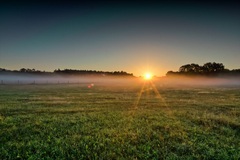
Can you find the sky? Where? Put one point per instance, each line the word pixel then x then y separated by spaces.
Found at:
pixel 136 37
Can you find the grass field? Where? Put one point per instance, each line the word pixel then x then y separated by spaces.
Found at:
pixel 72 121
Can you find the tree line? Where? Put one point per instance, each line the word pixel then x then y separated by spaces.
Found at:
pixel 208 69
pixel 66 72
pixel 92 72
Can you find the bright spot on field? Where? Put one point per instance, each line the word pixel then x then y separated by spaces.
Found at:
pixel 148 76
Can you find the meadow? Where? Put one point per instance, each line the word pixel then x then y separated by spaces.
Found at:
pixel 127 121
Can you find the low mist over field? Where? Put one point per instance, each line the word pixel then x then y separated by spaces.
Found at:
pixel 191 74
pixel 112 79
pixel 62 76
pixel 164 81
pixel 201 81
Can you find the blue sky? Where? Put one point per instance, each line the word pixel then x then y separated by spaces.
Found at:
pixel 134 37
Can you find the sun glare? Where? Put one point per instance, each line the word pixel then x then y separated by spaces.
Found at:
pixel 148 76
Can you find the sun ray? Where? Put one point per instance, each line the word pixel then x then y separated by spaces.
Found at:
pixel 139 96
pixel 146 87
pixel 158 94
pixel 168 112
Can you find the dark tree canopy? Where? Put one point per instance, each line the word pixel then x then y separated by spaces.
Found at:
pixel 213 67
pixel 190 68
pixel 208 69
pixel 67 72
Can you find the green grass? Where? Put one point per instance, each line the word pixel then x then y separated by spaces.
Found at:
pixel 75 122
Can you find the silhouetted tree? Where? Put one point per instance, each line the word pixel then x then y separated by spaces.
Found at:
pixel 213 67
pixel 185 68
pixel 190 68
pixel 2 69
pixel 196 68
pixel 171 73
pixel 208 69
pixel 23 70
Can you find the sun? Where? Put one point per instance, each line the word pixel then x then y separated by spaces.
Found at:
pixel 148 76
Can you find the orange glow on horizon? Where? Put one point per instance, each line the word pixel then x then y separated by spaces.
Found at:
pixel 148 76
